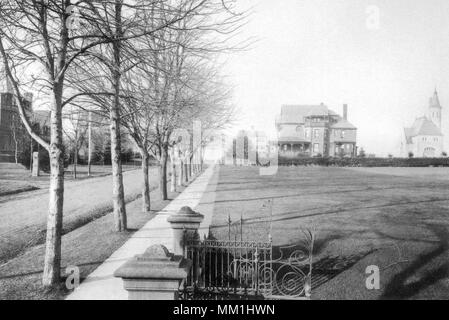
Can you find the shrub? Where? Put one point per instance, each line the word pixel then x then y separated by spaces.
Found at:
pixel 366 162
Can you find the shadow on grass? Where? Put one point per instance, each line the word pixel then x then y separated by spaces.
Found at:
pixel 293 215
pixel 329 267
pixel 40 271
pixel 400 288
pixel 325 268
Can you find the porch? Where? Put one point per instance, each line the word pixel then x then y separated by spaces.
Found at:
pixel 297 149
pixel 345 149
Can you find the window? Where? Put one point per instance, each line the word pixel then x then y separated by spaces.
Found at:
pixel 307 133
pixel 316 147
pixel 316 133
pixel 342 133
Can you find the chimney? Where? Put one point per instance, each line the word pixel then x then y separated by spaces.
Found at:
pixel 345 112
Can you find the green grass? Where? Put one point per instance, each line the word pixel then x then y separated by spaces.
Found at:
pixel 381 218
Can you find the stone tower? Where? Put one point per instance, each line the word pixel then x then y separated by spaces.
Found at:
pixel 435 109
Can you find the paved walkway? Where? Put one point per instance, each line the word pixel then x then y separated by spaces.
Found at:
pixel 101 284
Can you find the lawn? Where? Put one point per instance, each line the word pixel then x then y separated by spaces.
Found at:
pixel 85 247
pixel 395 218
pixel 16 179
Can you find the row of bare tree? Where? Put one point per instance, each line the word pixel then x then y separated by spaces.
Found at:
pixel 148 67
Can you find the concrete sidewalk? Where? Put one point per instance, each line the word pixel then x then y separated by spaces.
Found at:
pixel 101 284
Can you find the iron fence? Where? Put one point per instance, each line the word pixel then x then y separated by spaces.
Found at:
pixel 247 270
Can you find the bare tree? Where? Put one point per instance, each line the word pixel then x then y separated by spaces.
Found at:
pixel 39 35
pixel 76 133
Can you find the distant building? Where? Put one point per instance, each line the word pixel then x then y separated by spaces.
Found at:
pixel 248 147
pixel 214 147
pixel 11 127
pixel 315 130
pixel 424 138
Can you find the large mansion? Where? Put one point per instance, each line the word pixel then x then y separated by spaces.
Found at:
pixel 424 138
pixel 315 130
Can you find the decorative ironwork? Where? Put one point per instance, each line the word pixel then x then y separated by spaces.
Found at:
pixel 220 293
pixel 247 270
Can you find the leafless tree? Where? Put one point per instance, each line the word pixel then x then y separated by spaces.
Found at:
pixel 76 132
pixel 39 35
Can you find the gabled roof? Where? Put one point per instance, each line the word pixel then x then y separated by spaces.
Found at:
pixel 294 113
pixel 319 110
pixel 421 127
pixel 297 113
pixel 343 124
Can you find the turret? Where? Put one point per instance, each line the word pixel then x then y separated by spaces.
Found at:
pixel 435 109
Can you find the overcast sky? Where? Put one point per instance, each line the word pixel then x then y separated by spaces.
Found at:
pixel 334 51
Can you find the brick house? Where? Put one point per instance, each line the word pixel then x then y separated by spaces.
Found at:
pixel 11 127
pixel 315 130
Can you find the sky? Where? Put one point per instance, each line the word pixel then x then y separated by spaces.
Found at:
pixel 336 52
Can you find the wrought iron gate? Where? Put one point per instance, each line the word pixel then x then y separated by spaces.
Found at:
pixel 247 270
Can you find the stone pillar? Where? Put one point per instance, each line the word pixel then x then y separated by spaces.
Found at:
pixel 184 224
pixel 35 172
pixel 154 275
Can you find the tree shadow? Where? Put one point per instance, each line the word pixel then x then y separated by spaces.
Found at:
pixel 400 288
pixel 324 268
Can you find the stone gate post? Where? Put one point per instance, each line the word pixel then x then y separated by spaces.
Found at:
pixel 35 172
pixel 184 224
pixel 154 275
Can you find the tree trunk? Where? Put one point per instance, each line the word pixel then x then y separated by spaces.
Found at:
pixel 190 168
pixel 89 156
pixel 31 155
pixel 186 171
pixel 181 172
pixel 118 194
pixel 52 262
pixel 16 152
pixel 75 162
pixel 163 173
pixel 146 205
pixel 173 170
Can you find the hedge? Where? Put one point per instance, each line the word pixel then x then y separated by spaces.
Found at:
pixel 366 162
